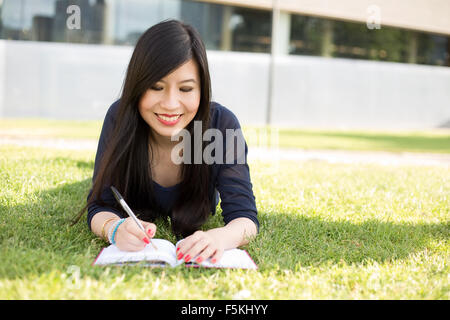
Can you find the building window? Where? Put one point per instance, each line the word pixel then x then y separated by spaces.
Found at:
pixel 251 30
pixel 222 27
pixel 128 19
pixel 121 22
pixel 306 35
pixel 341 39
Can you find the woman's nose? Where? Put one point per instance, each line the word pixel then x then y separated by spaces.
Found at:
pixel 171 100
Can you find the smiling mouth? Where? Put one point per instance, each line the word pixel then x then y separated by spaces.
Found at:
pixel 169 118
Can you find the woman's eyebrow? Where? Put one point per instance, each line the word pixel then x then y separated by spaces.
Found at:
pixel 187 80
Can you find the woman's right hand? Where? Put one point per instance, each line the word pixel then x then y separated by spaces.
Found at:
pixel 129 237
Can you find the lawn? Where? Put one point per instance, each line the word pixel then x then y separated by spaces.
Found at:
pixel 328 231
pixel 432 141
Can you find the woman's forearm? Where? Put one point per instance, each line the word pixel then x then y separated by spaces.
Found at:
pixel 103 220
pixel 236 233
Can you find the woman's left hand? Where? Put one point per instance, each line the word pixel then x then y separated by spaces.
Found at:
pixel 200 246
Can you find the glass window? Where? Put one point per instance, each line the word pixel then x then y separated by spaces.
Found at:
pixel 46 20
pixel 121 22
pixel 130 18
pixel 91 19
pixel 18 17
pixel 222 27
pixel 306 35
pixel 100 21
pixel 207 18
pixel 251 30
pixel 1 21
pixel 229 28
pixel 326 37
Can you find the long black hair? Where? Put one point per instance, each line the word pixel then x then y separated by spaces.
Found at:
pixel 126 161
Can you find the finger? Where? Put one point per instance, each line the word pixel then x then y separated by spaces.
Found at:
pixel 128 242
pixel 180 249
pixel 205 254
pixel 216 256
pixel 132 228
pixel 187 243
pixel 150 229
pixel 198 247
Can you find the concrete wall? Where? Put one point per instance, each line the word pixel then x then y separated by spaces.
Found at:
pixel 327 92
pixel 76 81
pixel 240 82
pixel 2 75
pixel 56 80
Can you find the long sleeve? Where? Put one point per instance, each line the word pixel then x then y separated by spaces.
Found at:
pixel 106 195
pixel 233 178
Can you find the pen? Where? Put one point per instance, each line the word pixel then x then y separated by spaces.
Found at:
pixel 124 205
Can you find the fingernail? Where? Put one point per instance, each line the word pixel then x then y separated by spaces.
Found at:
pixel 213 260
pixel 178 249
pixel 180 255
pixel 199 260
pixel 187 258
pixel 146 240
pixel 150 232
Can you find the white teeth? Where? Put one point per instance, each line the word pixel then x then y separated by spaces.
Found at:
pixel 171 119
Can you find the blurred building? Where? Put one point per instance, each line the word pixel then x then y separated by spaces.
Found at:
pixel 307 63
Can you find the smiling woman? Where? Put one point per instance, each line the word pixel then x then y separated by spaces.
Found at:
pixel 171 104
pixel 167 90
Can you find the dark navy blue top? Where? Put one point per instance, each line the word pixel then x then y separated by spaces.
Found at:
pixel 229 181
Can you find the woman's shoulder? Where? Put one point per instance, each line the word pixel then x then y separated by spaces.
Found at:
pixel 222 117
pixel 112 110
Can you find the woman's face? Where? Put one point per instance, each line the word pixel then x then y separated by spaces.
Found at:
pixel 172 102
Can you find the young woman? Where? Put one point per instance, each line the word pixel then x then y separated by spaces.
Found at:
pixel 166 89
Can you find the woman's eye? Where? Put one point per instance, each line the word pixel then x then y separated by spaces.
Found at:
pixel 185 89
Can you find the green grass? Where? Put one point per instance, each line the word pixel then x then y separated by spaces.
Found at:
pixel 328 231
pixel 433 141
pixel 50 128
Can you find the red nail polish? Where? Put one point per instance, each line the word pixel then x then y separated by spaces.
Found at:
pixel 150 232
pixel 213 260
pixel 180 255
pixel 199 260
pixel 187 258
pixel 146 240
pixel 178 249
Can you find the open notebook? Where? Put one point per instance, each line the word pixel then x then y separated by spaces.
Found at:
pixel 166 256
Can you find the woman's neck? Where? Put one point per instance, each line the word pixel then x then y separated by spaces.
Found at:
pixel 162 143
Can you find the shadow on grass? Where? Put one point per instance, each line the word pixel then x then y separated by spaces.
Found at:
pixel 290 240
pixel 36 238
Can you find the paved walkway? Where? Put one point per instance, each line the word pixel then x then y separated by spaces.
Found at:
pixel 344 156
pixel 331 156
